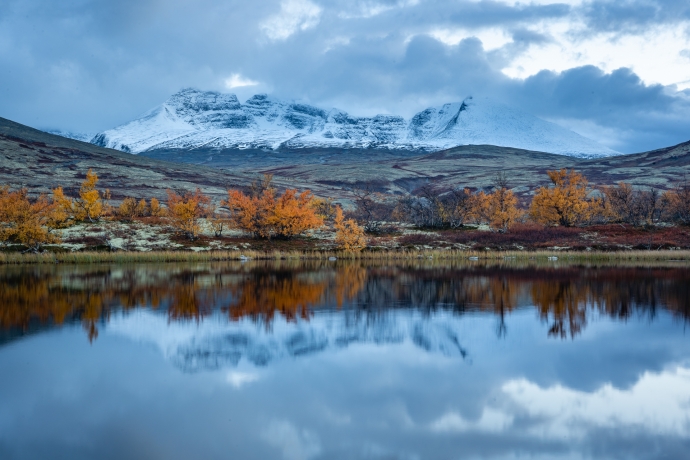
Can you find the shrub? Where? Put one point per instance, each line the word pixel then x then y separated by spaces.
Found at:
pixel 217 221
pixel 155 208
pixel 348 235
pixel 433 209
pixel 371 210
pixel 186 210
pixel 499 209
pixel 266 216
pixel 627 205
pixel 62 216
pixel 25 221
pixel 676 204
pixel 127 209
pixel 325 208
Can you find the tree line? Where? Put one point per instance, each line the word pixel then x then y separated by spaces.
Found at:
pixel 569 201
pixel 265 213
pixel 262 212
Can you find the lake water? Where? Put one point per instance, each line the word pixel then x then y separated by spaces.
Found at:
pixel 336 360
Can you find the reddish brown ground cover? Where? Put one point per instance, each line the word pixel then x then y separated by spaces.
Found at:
pixel 530 236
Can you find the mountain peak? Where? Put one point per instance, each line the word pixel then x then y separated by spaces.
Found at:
pixel 192 118
pixel 192 100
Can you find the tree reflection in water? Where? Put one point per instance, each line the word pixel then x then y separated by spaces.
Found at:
pixel 34 297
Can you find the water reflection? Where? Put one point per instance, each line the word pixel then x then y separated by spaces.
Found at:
pixel 564 298
pixel 344 360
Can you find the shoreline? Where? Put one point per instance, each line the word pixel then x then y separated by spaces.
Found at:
pixel 469 256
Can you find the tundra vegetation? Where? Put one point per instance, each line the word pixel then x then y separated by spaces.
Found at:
pixel 569 207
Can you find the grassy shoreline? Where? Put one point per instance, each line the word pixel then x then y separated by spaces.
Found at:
pixel 94 257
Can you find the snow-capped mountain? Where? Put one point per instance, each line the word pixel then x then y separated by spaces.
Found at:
pixel 216 343
pixel 193 119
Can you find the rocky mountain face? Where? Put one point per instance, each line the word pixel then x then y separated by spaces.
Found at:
pixel 193 119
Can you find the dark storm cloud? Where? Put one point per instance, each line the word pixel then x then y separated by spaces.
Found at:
pixel 87 65
pixel 649 115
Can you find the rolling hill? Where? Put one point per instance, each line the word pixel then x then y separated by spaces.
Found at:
pixel 39 161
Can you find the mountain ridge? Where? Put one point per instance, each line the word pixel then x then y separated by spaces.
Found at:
pixel 193 119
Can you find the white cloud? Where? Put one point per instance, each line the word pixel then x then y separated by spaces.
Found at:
pixel 294 15
pixel 239 379
pixel 295 444
pixel 238 81
pixel 658 403
pixel 656 55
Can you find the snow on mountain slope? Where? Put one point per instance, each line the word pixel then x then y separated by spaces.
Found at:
pixel 84 137
pixel 193 119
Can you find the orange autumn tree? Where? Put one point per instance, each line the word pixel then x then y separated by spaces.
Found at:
pixel 497 209
pixel 294 214
pixel 89 205
pixel 155 208
pixel 130 208
pixel 28 222
pixel 127 209
pixel 267 216
pixel 251 214
pixel 501 210
pixel 62 216
pixel 348 235
pixel 325 208
pixel 565 203
pixel 186 211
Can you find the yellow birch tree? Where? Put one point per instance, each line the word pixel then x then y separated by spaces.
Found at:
pixel 348 235
pixel 89 205
pixel 25 221
pixel 565 203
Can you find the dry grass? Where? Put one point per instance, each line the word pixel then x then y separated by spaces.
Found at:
pixel 383 256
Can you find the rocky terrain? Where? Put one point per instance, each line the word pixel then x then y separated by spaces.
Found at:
pixel 210 122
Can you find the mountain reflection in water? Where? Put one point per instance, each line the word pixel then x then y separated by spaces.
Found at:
pixel 564 298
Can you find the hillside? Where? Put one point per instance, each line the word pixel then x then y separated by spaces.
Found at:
pixel 193 120
pixel 38 161
pixel 475 166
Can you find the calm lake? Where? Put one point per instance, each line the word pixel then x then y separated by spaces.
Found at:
pixel 338 360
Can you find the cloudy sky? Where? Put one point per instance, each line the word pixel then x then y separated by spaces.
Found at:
pixel 616 71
